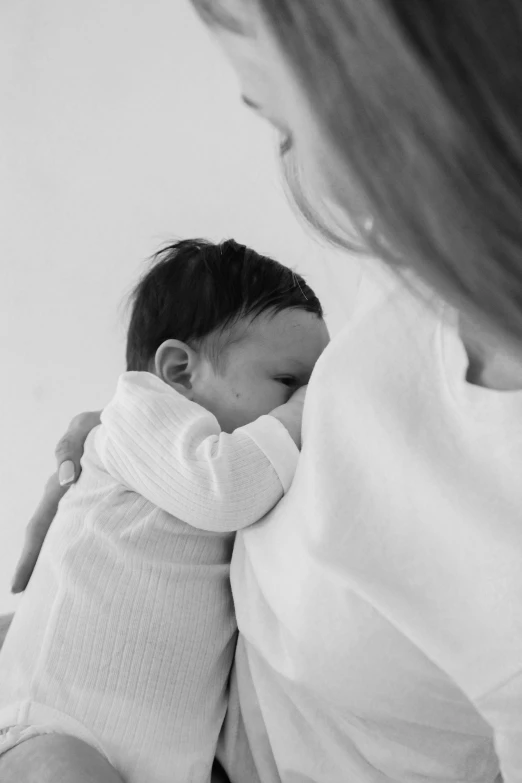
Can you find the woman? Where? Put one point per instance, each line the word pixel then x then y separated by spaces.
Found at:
pixel 379 605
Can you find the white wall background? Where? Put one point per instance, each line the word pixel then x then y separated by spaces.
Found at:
pixel 120 128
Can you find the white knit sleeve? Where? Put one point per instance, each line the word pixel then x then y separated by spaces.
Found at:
pixel 173 452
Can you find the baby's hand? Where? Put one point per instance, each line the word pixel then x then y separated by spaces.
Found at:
pixel 291 414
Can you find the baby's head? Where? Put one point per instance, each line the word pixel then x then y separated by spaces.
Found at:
pixel 234 331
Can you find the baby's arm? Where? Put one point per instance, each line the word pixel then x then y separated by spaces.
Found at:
pixel 173 452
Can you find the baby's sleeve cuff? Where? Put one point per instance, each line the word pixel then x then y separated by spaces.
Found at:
pixel 277 445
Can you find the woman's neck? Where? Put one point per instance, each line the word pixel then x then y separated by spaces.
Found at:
pixel 493 363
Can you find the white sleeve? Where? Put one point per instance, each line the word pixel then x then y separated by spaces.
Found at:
pixel 502 709
pixel 172 452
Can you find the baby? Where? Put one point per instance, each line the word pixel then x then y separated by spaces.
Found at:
pixel 125 635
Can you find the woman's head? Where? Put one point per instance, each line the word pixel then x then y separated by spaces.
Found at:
pixel 408 116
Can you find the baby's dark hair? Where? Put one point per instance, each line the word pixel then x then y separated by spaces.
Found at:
pixel 196 289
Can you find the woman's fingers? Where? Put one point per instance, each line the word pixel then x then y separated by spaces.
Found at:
pixel 68 453
pixel 67 473
pixel 35 533
pixel 69 450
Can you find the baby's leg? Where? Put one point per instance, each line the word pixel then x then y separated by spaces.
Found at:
pixel 56 758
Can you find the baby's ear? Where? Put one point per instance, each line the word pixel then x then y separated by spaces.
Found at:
pixel 174 363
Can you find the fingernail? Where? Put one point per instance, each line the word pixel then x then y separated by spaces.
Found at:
pixel 66 473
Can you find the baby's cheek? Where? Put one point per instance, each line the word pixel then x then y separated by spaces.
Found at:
pixel 251 403
pixel 257 397
pixel 274 395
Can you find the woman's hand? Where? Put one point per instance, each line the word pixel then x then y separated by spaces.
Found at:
pixel 36 531
pixel 68 453
pixel 69 450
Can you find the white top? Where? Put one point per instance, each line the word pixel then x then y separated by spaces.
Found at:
pixel 126 633
pixel 380 604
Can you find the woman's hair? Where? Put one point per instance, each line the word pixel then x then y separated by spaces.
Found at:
pixel 419 105
pixel 195 290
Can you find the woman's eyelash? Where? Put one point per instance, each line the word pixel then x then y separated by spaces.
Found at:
pixel 286 144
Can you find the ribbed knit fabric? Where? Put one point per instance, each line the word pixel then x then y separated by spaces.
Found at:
pixel 126 633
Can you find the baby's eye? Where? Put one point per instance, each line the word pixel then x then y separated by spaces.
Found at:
pixel 287 380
